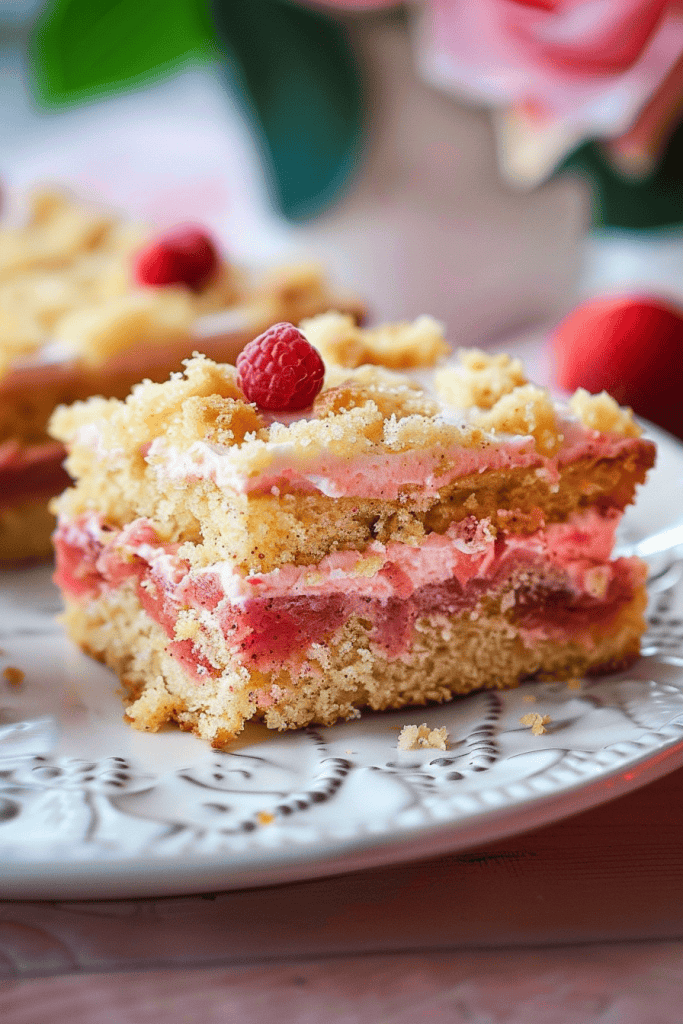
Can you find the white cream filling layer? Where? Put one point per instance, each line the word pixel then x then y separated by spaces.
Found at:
pixel 383 475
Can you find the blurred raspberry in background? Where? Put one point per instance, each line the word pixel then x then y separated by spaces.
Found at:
pixel 631 346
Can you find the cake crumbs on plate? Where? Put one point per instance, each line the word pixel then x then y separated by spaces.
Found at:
pixel 13 676
pixel 265 818
pixel 413 737
pixel 536 722
pixel 529 698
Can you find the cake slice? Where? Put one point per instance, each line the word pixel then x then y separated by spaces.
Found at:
pixel 89 305
pixel 406 538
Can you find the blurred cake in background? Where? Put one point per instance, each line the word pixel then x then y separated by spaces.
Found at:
pixel 89 305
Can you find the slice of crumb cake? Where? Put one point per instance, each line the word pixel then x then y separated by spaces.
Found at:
pixel 401 540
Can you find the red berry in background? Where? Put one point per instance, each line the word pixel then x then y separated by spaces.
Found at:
pixel 280 370
pixel 630 346
pixel 185 255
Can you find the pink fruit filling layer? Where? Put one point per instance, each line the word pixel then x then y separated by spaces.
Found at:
pixel 556 583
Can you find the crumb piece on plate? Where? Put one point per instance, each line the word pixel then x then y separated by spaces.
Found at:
pixel 414 737
pixel 536 722
pixel 265 818
pixel 14 676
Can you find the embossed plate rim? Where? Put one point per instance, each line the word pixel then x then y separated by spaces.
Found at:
pixel 100 881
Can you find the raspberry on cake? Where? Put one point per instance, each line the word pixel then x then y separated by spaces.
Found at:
pixel 280 370
pixel 381 548
pixel 89 305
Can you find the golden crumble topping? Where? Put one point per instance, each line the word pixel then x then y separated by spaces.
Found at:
pixel 398 346
pixel 392 394
pixel 371 410
pixel 96 333
pixel 601 412
pixel 233 483
pixel 480 380
pixel 187 408
pixel 359 411
pixel 56 232
pixel 525 410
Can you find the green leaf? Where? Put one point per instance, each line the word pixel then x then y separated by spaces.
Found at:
pixel 296 72
pixel 84 49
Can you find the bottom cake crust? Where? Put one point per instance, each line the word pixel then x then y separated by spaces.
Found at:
pixel 449 656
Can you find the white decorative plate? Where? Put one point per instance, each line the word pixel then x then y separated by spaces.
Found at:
pixel 90 808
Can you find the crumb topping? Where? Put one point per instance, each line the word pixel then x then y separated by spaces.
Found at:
pixel 525 410
pixel 376 458
pixel 204 403
pixel 601 412
pixel 416 737
pixel 480 380
pixel 291 292
pixel 366 410
pixel 398 346
pixel 371 411
pixel 96 333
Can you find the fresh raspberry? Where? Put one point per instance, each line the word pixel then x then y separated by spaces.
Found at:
pixel 280 370
pixel 185 255
pixel 631 346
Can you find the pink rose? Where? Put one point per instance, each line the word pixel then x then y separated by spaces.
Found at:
pixel 564 69
pixel 594 60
